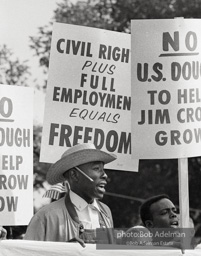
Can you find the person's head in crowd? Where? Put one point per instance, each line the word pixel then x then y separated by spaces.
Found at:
pixel 159 212
pixel 83 167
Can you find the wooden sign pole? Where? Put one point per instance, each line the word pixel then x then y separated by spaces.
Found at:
pixel 183 192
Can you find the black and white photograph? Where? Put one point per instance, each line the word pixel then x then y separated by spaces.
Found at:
pixel 100 127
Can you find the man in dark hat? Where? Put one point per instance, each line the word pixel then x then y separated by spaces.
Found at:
pixel 79 213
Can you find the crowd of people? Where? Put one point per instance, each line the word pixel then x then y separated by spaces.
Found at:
pixel 77 212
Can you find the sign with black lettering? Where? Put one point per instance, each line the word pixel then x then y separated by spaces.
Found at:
pixel 16 155
pixel 166 88
pixel 88 94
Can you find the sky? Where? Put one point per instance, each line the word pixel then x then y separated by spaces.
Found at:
pixel 20 19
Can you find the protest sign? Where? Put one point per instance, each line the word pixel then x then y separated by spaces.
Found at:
pixel 166 91
pixel 88 94
pixel 16 155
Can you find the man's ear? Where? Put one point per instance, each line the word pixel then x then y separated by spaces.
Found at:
pixel 73 175
pixel 149 224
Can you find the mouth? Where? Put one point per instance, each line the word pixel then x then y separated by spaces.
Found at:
pixel 101 187
pixel 174 224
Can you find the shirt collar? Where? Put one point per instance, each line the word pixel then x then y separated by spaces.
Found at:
pixel 80 203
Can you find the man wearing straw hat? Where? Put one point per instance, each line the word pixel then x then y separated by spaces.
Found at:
pixel 79 213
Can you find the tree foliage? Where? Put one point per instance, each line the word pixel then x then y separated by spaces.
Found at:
pixel 12 70
pixel 113 15
pixel 155 176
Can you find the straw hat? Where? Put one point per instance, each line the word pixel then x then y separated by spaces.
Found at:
pixel 75 156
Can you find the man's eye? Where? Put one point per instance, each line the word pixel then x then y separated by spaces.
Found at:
pixel 97 170
pixel 163 212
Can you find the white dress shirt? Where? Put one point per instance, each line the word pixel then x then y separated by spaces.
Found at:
pixel 87 213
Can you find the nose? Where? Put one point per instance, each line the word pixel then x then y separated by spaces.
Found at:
pixel 104 175
pixel 173 214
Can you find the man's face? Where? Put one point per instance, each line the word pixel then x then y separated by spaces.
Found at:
pixel 89 190
pixel 164 214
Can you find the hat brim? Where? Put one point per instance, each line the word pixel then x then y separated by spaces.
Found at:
pixel 56 171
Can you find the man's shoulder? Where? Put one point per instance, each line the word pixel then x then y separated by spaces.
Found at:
pixel 54 206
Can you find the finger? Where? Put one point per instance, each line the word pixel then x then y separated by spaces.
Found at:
pixel 81 242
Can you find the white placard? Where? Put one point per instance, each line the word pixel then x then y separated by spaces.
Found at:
pixel 88 94
pixel 166 88
pixel 16 155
